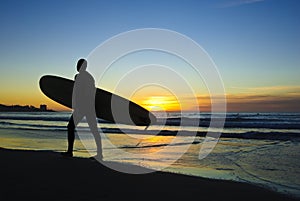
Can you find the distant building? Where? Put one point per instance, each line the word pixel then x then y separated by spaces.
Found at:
pixel 43 107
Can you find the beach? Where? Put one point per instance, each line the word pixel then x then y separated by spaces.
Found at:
pixel 254 150
pixel 45 175
pixel 220 78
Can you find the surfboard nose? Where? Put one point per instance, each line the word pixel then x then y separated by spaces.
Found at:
pixel 143 121
pixel 152 119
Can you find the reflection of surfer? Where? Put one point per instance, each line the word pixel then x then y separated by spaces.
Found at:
pixel 83 102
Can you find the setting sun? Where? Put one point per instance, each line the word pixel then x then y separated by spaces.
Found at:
pixel 157 103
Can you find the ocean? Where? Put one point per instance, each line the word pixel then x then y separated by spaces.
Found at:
pixel 258 148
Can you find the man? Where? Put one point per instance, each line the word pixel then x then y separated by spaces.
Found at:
pixel 83 103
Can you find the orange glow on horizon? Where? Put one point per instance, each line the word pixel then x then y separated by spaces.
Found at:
pixel 163 100
pixel 32 99
pixel 159 103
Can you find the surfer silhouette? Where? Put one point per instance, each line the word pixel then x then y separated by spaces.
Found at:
pixel 83 103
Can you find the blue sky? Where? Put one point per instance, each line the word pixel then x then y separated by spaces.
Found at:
pixel 255 44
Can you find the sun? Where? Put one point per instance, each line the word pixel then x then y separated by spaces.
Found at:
pixel 160 103
pixel 156 98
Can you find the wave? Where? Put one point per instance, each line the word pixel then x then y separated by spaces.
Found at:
pixel 158 145
pixel 246 135
pixel 35 118
pixel 44 118
pixel 24 126
pixel 231 122
pixel 279 122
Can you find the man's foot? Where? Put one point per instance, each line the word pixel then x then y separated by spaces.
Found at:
pixel 67 154
pixel 97 157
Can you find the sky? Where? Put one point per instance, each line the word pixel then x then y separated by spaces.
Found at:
pixel 255 45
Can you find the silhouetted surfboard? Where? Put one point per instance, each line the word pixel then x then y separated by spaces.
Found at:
pixel 60 90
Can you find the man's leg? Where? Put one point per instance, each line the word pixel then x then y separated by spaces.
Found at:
pixel 75 118
pixel 92 121
pixel 71 135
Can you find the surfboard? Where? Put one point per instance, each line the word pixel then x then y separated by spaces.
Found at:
pixel 108 106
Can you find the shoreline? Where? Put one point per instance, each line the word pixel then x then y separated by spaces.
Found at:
pixel 45 175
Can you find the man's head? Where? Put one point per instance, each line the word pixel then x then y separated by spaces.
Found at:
pixel 81 65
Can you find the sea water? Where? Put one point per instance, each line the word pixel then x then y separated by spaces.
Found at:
pixel 258 148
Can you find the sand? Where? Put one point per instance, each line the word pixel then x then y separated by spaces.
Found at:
pixel 45 175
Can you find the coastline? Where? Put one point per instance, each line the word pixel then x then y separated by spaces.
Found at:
pixel 45 175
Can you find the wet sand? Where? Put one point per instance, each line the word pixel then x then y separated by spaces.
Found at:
pixel 45 175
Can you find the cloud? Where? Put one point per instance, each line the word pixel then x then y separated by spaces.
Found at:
pixel 256 102
pixel 267 90
pixel 263 103
pixel 239 3
pixel 246 99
